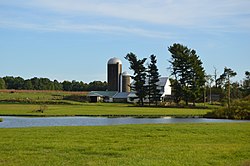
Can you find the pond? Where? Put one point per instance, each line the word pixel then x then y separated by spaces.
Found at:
pixel 18 122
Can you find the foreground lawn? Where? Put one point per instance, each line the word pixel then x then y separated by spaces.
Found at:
pixel 179 144
pixel 102 109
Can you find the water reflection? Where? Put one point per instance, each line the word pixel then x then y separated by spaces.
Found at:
pixel 17 122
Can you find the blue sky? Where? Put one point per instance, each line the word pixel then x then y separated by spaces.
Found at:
pixel 74 39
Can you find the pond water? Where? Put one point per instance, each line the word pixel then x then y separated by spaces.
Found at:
pixel 18 122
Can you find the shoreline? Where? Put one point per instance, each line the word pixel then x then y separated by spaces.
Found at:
pixel 108 116
pixel 117 116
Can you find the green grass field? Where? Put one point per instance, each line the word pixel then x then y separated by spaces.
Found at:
pixel 178 144
pixel 26 102
pixel 30 96
pixel 170 144
pixel 101 109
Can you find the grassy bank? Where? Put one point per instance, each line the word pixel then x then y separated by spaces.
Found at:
pixel 102 109
pixel 179 144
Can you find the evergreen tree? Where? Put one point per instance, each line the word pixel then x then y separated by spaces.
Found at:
pixel 153 78
pixel 189 75
pixel 139 77
pixel 246 84
pixel 225 79
pixel 177 92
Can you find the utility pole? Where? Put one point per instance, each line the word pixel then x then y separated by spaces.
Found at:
pixel 228 92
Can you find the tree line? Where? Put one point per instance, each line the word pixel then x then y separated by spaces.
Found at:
pixel 18 83
pixel 222 87
pixel 189 81
pixel 186 69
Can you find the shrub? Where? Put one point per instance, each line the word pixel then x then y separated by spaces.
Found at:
pixel 1 120
pixel 41 109
pixel 240 109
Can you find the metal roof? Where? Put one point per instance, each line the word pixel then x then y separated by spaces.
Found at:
pixel 102 93
pixel 114 61
pixel 121 95
pixel 125 73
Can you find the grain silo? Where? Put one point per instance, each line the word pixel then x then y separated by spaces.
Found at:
pixel 125 82
pixel 114 74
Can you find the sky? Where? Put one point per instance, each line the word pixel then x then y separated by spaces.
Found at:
pixel 74 39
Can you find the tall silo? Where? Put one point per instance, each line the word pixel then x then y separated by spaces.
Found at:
pixel 114 74
pixel 125 82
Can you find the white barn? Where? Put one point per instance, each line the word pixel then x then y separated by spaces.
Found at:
pixel 113 96
pixel 163 85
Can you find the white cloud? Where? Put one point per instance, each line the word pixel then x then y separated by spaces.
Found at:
pixel 154 11
pixel 72 27
pixel 223 15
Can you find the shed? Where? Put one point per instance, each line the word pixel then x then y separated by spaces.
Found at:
pixel 121 97
pixel 99 96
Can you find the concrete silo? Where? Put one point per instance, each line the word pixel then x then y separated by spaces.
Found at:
pixel 125 82
pixel 114 74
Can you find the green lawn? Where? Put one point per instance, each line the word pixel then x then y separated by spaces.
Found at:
pixel 178 144
pixel 18 102
pixel 102 109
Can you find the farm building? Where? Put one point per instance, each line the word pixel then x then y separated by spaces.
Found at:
pixel 119 85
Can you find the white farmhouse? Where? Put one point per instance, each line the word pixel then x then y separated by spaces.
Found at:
pixel 163 85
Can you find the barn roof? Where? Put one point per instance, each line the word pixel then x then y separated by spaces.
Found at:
pixel 102 93
pixel 121 95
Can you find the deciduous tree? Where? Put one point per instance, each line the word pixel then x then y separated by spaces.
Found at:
pixel 2 84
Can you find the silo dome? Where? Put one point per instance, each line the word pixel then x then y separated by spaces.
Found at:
pixel 125 73
pixel 114 61
pixel 125 82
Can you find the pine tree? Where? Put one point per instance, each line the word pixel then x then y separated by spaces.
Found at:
pixel 225 78
pixel 246 84
pixel 189 75
pixel 153 78
pixel 139 77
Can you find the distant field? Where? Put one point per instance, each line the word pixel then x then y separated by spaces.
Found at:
pixel 178 144
pixel 100 109
pixel 42 92
pixel 35 96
